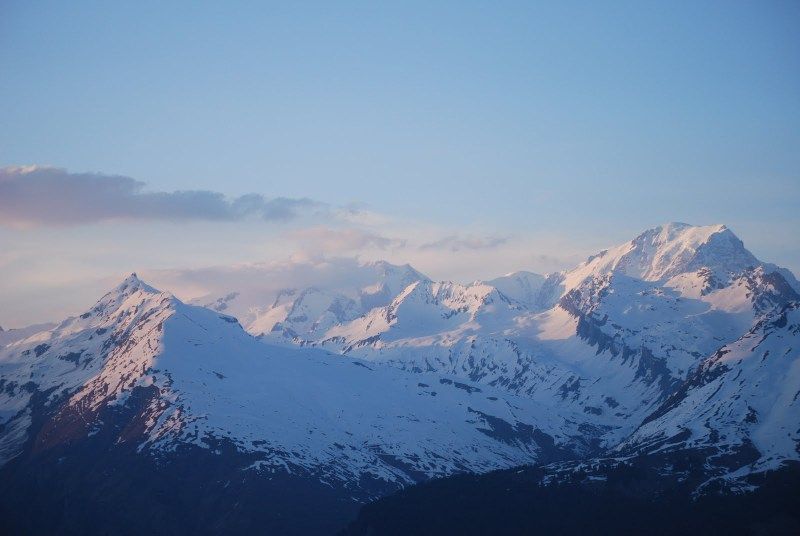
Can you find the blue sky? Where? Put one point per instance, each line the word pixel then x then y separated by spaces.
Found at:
pixel 534 125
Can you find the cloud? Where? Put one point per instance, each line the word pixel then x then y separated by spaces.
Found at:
pixel 458 243
pixel 39 196
pixel 260 282
pixel 358 215
pixel 321 239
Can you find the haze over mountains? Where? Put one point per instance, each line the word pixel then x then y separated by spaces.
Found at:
pixel 677 342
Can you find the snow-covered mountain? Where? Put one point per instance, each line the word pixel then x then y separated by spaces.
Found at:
pixel 741 404
pixel 679 341
pixel 611 338
pixel 523 287
pixel 8 336
pixel 305 312
pixel 197 375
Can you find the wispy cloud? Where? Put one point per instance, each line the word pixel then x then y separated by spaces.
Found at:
pixel 458 243
pixel 261 281
pixel 322 239
pixel 359 215
pixel 40 196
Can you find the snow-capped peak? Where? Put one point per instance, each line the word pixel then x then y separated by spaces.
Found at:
pixel 130 287
pixel 523 287
pixel 666 251
pixel 128 298
pixel 385 268
pixel 132 283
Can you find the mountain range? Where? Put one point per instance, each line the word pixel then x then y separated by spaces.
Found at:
pixel 677 353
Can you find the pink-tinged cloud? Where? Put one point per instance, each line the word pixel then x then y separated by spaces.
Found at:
pixel 321 239
pixel 458 243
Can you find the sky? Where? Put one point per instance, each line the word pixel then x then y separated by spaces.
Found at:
pixel 470 139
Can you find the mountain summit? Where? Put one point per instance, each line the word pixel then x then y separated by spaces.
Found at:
pixel 669 250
